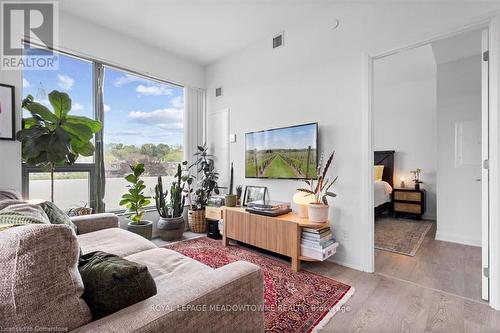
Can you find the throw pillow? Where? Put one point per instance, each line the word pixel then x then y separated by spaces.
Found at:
pixel 378 172
pixel 57 216
pixel 18 212
pixel 112 283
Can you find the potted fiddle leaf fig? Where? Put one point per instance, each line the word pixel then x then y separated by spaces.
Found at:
pixel 171 223
pixel 319 190
pixel 231 199
pixel 207 183
pixel 52 138
pixel 135 201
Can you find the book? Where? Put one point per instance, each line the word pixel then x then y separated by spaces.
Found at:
pixel 312 234
pixel 316 231
pixel 321 245
pixel 317 237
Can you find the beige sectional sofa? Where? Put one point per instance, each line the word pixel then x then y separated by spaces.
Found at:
pixel 191 297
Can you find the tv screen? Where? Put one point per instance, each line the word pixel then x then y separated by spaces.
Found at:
pixel 282 153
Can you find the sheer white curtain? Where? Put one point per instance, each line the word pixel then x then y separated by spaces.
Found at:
pixel 194 120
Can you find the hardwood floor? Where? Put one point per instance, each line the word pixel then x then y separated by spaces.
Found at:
pixel 386 304
pixel 445 266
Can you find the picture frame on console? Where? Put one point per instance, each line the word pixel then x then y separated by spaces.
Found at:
pixel 254 193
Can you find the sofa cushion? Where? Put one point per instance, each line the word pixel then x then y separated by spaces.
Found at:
pixel 115 241
pixel 40 285
pixel 56 215
pixel 167 266
pixel 113 283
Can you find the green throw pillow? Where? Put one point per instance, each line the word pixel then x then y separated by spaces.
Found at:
pixel 57 216
pixel 112 283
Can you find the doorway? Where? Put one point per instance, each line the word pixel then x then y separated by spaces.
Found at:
pixel 431 182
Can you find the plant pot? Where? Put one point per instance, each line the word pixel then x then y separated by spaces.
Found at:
pixel 318 212
pixel 144 229
pixel 231 200
pixel 196 220
pixel 170 228
pixel 417 186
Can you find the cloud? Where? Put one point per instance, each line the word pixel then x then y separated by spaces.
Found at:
pixel 126 79
pixel 65 82
pixel 178 102
pixel 168 119
pixel 155 90
pixel 106 108
pixel 26 83
pixel 77 107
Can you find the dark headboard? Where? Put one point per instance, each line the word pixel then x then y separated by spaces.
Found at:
pixel 385 158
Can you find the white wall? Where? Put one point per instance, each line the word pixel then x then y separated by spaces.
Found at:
pixel 405 117
pixel 319 76
pixel 459 194
pixel 81 37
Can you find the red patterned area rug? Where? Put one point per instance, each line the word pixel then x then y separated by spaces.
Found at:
pixel 295 302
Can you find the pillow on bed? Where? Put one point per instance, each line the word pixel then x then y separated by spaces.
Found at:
pixel 378 171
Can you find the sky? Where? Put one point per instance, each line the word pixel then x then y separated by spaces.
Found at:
pixel 298 137
pixel 136 110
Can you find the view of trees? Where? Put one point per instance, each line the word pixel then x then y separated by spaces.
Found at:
pixel 158 159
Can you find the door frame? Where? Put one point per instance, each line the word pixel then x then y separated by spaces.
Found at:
pixel 491 24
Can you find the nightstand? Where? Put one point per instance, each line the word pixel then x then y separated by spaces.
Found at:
pixel 408 202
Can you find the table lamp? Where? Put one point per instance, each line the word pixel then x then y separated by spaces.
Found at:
pixel 301 200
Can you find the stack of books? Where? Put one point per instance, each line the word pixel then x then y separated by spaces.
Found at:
pixel 318 243
pixel 268 208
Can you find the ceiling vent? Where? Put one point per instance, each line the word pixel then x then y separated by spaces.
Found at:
pixel 218 92
pixel 278 40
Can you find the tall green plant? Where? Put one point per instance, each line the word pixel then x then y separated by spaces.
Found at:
pixel 135 201
pixel 53 138
pixel 208 177
pixel 174 208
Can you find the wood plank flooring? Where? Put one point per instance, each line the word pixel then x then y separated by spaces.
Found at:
pixel 385 304
pixel 450 267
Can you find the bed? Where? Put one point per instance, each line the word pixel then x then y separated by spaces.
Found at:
pixel 382 196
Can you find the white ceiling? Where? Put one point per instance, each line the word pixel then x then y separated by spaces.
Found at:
pixel 201 31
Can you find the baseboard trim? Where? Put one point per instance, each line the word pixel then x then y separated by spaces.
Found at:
pixel 453 238
pixel 346 264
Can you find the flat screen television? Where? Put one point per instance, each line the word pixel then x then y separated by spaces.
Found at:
pixel 282 153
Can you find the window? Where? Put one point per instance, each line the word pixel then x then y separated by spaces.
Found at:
pixel 74 77
pixel 143 122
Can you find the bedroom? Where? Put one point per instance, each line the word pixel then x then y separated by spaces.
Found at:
pixel 427 157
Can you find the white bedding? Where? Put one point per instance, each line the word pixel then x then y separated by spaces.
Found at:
pixel 382 192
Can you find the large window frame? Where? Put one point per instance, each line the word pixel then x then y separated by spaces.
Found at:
pixel 98 114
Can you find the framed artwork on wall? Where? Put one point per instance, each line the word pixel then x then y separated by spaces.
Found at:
pixel 7 112
pixel 254 193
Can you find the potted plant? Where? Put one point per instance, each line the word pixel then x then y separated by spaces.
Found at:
pixel 416 178
pixel 231 199
pixel 135 201
pixel 55 138
pixel 207 184
pixel 239 191
pixel 188 180
pixel 171 223
pixel 320 190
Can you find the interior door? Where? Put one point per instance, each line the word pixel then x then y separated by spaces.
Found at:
pixel 485 166
pixel 218 141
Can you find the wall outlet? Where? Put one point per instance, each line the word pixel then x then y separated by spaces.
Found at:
pixel 232 137
pixel 344 235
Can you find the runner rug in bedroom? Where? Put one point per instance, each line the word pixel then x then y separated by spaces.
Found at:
pixel 295 302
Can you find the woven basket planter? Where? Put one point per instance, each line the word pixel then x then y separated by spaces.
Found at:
pixel 196 221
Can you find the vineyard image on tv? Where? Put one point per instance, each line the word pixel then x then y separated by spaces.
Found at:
pixel 283 153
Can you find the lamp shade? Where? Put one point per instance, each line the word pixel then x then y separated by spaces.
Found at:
pixel 301 200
